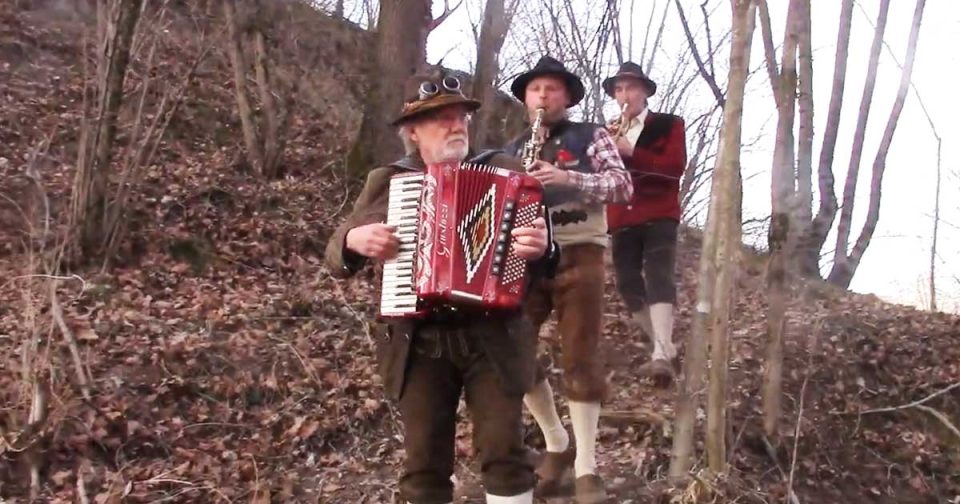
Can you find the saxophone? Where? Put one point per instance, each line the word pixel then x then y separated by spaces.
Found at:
pixel 533 146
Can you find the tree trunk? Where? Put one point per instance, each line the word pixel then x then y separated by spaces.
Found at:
pixel 803 212
pixel 727 190
pixel 810 252
pixel 841 269
pixel 251 138
pixel 88 212
pixel 842 273
pixel 769 51
pixel 402 28
pixel 936 229
pixel 492 34
pixel 271 115
pixel 782 221
pixel 719 220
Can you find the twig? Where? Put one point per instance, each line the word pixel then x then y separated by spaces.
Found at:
pixel 901 407
pixel 943 419
pixel 50 277
pixel 638 415
pixel 57 314
pixel 792 497
pixel 306 365
pixel 256 478
pixel 707 77
pixel 81 488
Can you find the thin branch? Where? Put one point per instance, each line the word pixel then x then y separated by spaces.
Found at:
pixel 769 50
pixel 901 407
pixel 57 312
pixel 707 76
pixel 943 419
pixel 443 17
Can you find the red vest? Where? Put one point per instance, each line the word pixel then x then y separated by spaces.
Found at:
pixel 656 166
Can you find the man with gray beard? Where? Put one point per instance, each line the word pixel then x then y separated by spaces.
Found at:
pixel 426 363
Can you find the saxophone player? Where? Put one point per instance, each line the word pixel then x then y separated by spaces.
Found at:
pixel 644 230
pixel 581 171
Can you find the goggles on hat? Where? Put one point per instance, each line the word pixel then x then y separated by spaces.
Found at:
pixel 428 88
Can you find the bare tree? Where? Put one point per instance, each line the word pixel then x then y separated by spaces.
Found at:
pixel 817 232
pixel 108 171
pixel 717 268
pixel 117 23
pixel 936 229
pixel 727 189
pixel 708 74
pixel 402 30
pixel 496 24
pixel 250 137
pixel 782 193
pixel 263 139
pixel 845 265
pixel 853 170
pixel 586 46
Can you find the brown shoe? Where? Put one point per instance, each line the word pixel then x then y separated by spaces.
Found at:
pixel 551 470
pixel 660 370
pixel 590 490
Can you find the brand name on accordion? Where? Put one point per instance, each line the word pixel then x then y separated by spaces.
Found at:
pixel 444 249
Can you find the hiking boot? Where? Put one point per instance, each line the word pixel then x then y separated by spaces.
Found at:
pixel 590 490
pixel 660 370
pixel 551 470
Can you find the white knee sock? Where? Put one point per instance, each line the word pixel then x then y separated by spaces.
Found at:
pixel 540 403
pixel 524 498
pixel 661 316
pixel 585 416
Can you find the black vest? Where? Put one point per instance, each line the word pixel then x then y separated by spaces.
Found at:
pixel 575 138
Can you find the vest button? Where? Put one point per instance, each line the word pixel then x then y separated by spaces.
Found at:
pixel 629 207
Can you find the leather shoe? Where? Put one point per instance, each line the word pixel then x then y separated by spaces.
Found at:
pixel 590 490
pixel 551 470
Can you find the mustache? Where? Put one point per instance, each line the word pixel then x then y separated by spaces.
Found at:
pixel 457 136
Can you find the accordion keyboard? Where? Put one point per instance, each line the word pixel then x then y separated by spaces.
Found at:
pixel 398 296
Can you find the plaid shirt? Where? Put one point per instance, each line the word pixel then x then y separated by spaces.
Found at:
pixel 611 182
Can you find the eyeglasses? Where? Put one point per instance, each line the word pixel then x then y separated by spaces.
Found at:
pixel 428 89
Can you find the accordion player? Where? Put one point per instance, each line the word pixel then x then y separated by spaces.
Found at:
pixel 453 222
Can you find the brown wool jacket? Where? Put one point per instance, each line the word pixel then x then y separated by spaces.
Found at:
pixel 509 342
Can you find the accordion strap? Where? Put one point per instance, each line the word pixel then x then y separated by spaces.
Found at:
pixel 484 156
pixel 413 162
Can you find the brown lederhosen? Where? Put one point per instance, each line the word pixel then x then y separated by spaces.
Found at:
pixel 576 293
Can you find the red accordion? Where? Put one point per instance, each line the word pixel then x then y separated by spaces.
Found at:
pixel 453 221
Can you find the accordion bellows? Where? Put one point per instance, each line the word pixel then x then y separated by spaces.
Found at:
pixel 454 221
